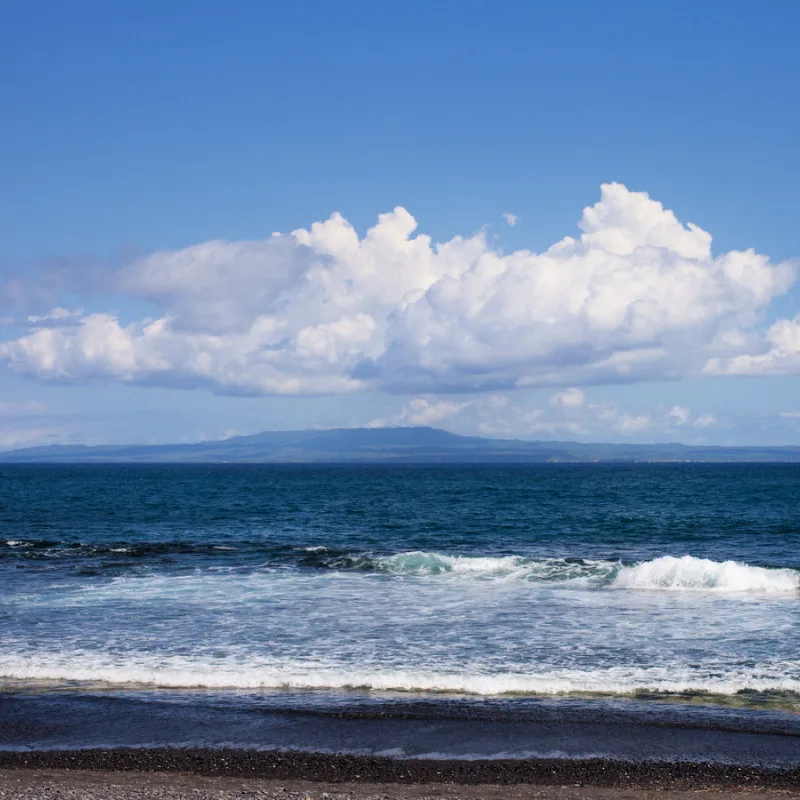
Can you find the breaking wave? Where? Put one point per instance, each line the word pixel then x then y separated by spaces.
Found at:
pixel 554 570
pixel 227 674
pixel 665 573
pixel 702 574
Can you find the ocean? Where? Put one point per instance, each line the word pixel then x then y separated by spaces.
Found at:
pixel 644 611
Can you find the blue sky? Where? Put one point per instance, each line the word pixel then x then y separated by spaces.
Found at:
pixel 137 132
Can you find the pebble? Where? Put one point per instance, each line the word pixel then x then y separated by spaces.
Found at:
pixel 325 769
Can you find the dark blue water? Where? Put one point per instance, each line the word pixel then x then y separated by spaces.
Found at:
pixel 329 587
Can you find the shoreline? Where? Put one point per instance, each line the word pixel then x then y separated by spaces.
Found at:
pixel 339 769
pixel 93 785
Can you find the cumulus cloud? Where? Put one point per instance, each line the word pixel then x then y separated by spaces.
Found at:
pixel 511 219
pixel 569 398
pixel 633 423
pixel 423 411
pixel 780 354
pixel 679 415
pixel 636 296
pixel 522 415
pixel 705 421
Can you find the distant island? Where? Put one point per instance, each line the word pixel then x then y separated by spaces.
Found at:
pixel 417 445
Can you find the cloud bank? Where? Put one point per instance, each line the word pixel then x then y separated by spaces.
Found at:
pixel 636 296
pixel 569 414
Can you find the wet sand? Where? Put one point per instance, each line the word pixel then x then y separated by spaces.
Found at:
pixel 267 773
pixel 410 729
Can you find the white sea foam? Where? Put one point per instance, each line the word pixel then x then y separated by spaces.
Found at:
pixel 418 562
pixel 423 564
pixel 665 573
pixel 702 574
pixel 174 672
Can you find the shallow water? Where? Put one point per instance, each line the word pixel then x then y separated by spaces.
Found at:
pixel 667 585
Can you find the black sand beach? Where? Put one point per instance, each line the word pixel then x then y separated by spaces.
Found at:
pixel 92 785
pixel 363 771
pixel 70 744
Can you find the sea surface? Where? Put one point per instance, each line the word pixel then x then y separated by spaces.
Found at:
pixel 474 611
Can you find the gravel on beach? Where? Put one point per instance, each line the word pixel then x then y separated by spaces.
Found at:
pixel 24 784
pixel 227 773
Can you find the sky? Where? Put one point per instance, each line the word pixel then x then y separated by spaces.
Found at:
pixel 571 221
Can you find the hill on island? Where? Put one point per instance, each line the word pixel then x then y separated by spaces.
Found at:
pixel 415 445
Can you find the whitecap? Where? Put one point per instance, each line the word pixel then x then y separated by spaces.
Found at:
pixel 702 574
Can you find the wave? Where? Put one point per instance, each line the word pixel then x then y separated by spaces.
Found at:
pixel 702 574
pixel 176 673
pixel 553 570
pixel 665 573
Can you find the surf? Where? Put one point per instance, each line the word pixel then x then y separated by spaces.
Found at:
pixel 261 673
pixel 665 573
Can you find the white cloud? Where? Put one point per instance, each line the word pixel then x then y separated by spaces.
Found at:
pixel 633 423
pixel 569 398
pixel 780 354
pixel 591 421
pixel 679 415
pixel 532 423
pixel 423 411
pixel 57 318
pixel 511 219
pixel 637 296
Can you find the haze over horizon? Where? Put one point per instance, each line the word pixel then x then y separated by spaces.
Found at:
pixel 280 218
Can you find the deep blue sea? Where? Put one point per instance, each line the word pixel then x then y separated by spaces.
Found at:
pixel 666 592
